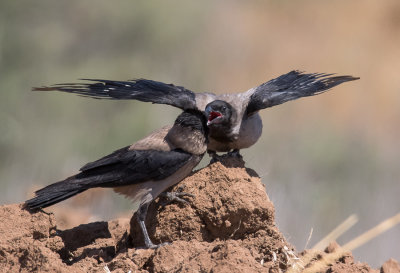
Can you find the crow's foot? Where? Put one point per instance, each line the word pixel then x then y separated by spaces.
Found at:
pixel 215 157
pixel 235 153
pixel 153 246
pixel 175 196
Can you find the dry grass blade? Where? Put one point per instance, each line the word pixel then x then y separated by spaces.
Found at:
pixel 309 238
pixel 337 232
pixel 373 232
pixel 322 264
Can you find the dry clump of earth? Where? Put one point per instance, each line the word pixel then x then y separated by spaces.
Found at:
pixel 228 226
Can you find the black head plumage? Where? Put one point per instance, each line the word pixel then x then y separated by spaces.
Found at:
pixel 193 119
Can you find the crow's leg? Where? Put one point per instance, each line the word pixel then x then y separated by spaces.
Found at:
pixel 141 215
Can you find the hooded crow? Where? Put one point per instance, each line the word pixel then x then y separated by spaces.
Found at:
pixel 141 171
pixel 233 119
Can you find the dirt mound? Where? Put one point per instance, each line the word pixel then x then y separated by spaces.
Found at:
pixel 228 226
pixel 227 204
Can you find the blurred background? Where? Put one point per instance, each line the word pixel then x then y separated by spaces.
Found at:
pixel 321 158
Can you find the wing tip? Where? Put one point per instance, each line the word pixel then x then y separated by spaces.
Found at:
pixel 351 78
pixel 320 75
pixel 43 88
pixel 339 79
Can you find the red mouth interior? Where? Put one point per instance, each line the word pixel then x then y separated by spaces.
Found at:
pixel 214 115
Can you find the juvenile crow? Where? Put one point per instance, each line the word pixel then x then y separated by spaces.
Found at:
pixel 233 119
pixel 141 171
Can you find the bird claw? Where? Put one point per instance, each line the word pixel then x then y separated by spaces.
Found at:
pixel 215 158
pixel 220 158
pixel 235 153
pixel 153 246
pixel 175 196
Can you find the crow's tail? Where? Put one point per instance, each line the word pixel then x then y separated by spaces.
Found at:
pixel 55 193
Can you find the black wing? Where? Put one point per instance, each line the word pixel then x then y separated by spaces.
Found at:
pixel 125 167
pixel 291 86
pixel 141 89
pixel 122 167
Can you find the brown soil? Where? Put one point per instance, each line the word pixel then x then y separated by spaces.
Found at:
pixel 228 226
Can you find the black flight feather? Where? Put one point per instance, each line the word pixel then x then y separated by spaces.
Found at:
pixel 291 86
pixel 140 89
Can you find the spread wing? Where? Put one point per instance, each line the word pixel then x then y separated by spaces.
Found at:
pixel 141 89
pixel 291 86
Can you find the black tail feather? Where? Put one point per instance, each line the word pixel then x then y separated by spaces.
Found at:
pixel 54 193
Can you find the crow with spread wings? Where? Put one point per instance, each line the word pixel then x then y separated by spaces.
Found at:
pixel 233 119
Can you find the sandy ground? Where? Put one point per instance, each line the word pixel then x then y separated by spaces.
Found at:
pixel 229 226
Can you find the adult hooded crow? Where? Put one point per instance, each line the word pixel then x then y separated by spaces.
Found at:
pixel 233 119
pixel 141 171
